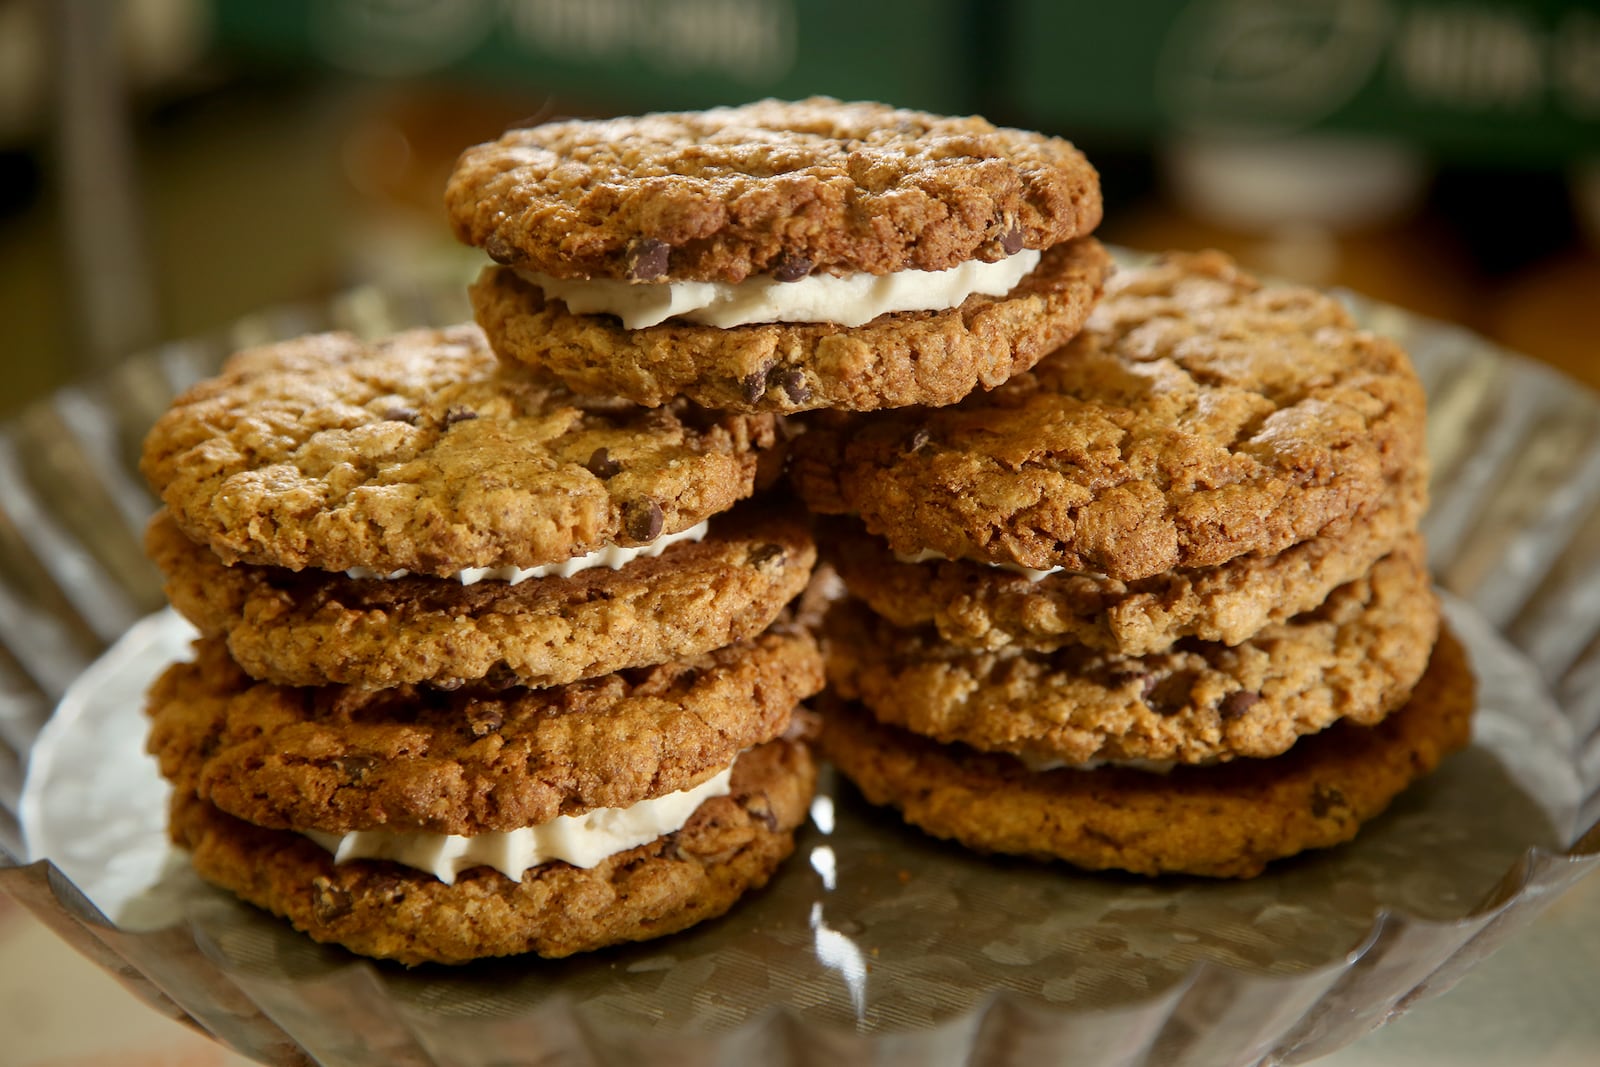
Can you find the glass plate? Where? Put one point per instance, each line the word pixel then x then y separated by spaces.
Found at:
pixel 875 944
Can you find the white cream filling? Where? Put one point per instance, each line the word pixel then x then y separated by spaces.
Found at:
pixel 613 556
pixel 1030 573
pixel 851 300
pixel 581 840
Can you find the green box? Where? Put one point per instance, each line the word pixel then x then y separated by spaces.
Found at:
pixel 1486 78
pixel 634 54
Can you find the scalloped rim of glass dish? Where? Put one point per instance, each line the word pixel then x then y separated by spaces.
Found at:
pixel 84 709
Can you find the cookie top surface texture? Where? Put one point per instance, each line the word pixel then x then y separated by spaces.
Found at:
pixel 421 452
pixel 768 187
pixel 338 759
pixel 1198 417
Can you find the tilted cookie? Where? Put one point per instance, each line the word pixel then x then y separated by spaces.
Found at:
pixel 1199 417
pixel 988 606
pixel 1225 821
pixel 317 628
pixel 1355 657
pixel 337 759
pixel 420 452
pixel 781 256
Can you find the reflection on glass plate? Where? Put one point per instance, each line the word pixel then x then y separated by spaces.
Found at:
pixel 873 927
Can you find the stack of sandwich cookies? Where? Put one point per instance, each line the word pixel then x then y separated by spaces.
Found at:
pixel 1139 576
pixel 446 597
pixel 781 256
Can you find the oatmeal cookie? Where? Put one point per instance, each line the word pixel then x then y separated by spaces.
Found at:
pixel 979 605
pixel 730 846
pixel 1355 657
pixel 317 628
pixel 338 759
pixel 909 357
pixel 421 452
pixel 1226 821
pixel 768 188
pixel 1198 417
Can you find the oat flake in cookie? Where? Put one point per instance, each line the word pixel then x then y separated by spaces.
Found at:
pixel 781 256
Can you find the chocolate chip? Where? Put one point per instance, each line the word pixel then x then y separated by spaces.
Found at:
pixel 601 465
pixel 755 386
pixel 1120 678
pixel 1235 705
pixel 484 717
pixel 328 901
pixel 455 415
pixel 642 519
pixel 761 808
pixel 919 440
pixel 1012 242
pixel 647 259
pixel 500 250
pixel 1149 686
pixel 793 384
pixel 1169 695
pixel 399 414
pixel 355 768
pixel 791 268
pixel 762 553
pixel 1324 799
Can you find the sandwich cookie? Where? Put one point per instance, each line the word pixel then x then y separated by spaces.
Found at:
pixel 409 510
pixel 994 606
pixel 418 824
pixel 781 256
pixel 1199 417
pixel 1224 821
pixel 317 628
pixel 1356 657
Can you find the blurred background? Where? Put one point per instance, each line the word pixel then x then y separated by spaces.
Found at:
pixel 168 165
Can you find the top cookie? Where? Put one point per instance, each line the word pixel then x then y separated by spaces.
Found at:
pixel 1198 417
pixel 768 188
pixel 420 452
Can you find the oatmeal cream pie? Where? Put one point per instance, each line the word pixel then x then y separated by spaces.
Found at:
pixel 1225 821
pixel 1199 417
pixel 988 606
pixel 410 510
pixel 1355 658
pixel 781 256
pixel 422 825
